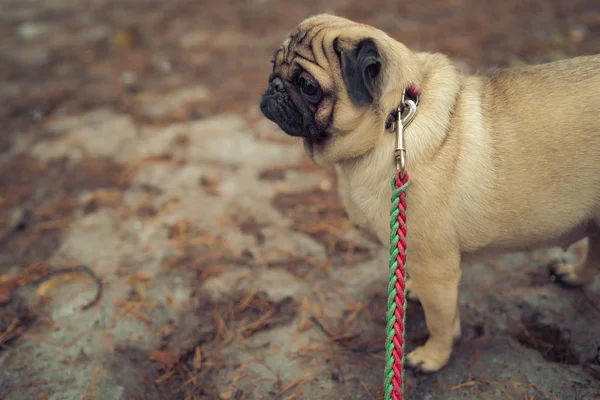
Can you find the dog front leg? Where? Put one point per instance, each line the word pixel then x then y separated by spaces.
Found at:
pixel 436 281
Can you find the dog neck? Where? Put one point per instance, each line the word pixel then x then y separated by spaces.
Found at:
pixel 364 180
pixel 438 90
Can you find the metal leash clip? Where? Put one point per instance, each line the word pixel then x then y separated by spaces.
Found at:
pixel 410 109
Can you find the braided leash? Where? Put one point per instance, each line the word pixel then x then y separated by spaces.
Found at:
pixel 396 314
pixel 396 305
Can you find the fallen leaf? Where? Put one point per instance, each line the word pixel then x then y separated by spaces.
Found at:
pixel 167 358
pixel 165 376
pixel 6 292
pixel 105 338
pixel 226 395
pixel 45 287
pixel 7 278
pixel 141 276
pixel 209 179
pixel 126 38
pixel 197 362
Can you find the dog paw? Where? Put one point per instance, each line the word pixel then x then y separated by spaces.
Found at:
pixel 411 293
pixel 424 359
pixel 564 274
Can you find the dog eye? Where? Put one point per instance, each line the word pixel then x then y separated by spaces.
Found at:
pixel 308 87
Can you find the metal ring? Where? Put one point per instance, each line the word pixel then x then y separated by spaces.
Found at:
pixel 409 107
pixel 409 116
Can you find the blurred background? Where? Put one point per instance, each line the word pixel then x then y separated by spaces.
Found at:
pixel 159 239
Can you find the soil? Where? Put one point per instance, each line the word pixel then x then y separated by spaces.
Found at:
pixel 159 239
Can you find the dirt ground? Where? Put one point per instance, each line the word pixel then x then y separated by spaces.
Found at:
pixel 159 239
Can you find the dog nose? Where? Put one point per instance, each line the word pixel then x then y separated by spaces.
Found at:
pixel 277 85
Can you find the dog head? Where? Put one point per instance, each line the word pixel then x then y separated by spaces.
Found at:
pixel 334 83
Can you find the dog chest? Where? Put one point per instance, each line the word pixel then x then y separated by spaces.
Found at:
pixel 365 204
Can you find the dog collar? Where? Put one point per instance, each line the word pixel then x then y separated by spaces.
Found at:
pixel 410 93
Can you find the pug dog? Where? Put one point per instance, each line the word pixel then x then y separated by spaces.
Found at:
pixel 498 162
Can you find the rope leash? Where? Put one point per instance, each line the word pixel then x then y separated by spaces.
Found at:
pixel 396 314
pixel 396 305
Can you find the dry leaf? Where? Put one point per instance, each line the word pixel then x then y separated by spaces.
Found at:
pixel 197 362
pixel 45 287
pixel 141 276
pixel 209 179
pixel 164 377
pixel 167 358
pixel 226 395
pixel 126 38
pixel 7 278
pixel 105 338
pixel 6 292
pixel 305 323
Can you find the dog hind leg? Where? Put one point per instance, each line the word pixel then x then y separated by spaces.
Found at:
pixel 583 272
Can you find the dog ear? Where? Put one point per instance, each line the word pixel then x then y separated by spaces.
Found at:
pixel 361 69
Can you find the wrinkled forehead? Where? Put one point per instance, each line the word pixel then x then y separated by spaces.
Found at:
pixel 308 48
